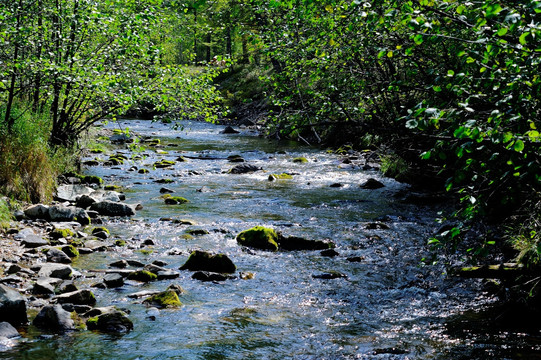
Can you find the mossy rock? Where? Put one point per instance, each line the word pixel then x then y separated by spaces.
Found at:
pixel 175 200
pixel 98 229
pixel 111 322
pixel 183 222
pixel 145 251
pixel 197 232
pixel 300 159
pixel 142 276
pixel 259 237
pixel 70 250
pixel 282 176
pixel 61 233
pixel 164 181
pixel 202 260
pixel 165 299
pixel 186 237
pixel 143 171
pixel 113 187
pixel 181 159
pixel 115 161
pixel 120 242
pixel 152 142
pixel 164 164
pixel 161 152
pixel 96 151
pixel 91 179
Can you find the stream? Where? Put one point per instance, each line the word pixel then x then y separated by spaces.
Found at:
pixel 388 306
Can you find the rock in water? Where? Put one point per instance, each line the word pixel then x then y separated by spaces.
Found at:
pixel 110 322
pixel 111 208
pixel 12 306
pixel 229 130
pixel 79 297
pixel 165 299
pixel 372 184
pixel 202 260
pixel 259 237
pixel 53 270
pixel 298 243
pixel 58 256
pixel 54 317
pixel 244 169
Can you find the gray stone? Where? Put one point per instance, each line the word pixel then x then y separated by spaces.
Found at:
pixel 79 297
pixel 58 256
pixel 54 317
pixel 210 276
pixel 53 270
pixel 7 330
pixel 71 192
pixel 244 169
pixel 110 208
pixel 371 184
pixel 34 241
pixel 167 274
pixel 24 233
pixel 12 306
pixel 68 213
pixel 38 211
pixel 113 280
pixel 43 287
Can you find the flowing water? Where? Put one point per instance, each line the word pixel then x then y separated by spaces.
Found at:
pixel 388 306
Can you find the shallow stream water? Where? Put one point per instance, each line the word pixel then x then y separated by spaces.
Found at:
pixel 388 306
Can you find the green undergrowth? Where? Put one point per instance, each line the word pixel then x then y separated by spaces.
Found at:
pixel 29 167
pixel 5 214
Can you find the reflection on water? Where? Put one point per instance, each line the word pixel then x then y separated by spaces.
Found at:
pixel 388 306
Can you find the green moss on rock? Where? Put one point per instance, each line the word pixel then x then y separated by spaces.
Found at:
pixel 71 251
pixel 300 159
pixel 91 179
pixel 165 299
pixel 120 242
pixel 163 164
pixel 175 200
pixel 61 233
pixel 142 275
pixel 282 176
pixel 259 237
pixel 98 229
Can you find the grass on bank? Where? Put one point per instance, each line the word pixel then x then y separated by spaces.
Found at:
pixel 29 167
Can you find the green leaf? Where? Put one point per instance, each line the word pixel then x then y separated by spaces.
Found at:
pixel 518 146
pixel 502 32
pixel 522 38
pixel 418 39
pixel 450 73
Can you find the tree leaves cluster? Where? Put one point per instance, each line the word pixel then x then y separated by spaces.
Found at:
pixel 455 85
pixel 83 60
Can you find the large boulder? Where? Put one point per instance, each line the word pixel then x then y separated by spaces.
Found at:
pixel 38 211
pixel 52 270
pixel 71 192
pixel 12 306
pixel 79 297
pixel 7 330
pixel 110 322
pixel 111 208
pixel 68 213
pixel 202 260
pixel 371 184
pixel 259 237
pixel 54 317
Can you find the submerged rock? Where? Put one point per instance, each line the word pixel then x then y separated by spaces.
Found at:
pixel 54 317
pixel 12 306
pixel 259 237
pixel 165 299
pixel 110 322
pixel 330 275
pixel 202 260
